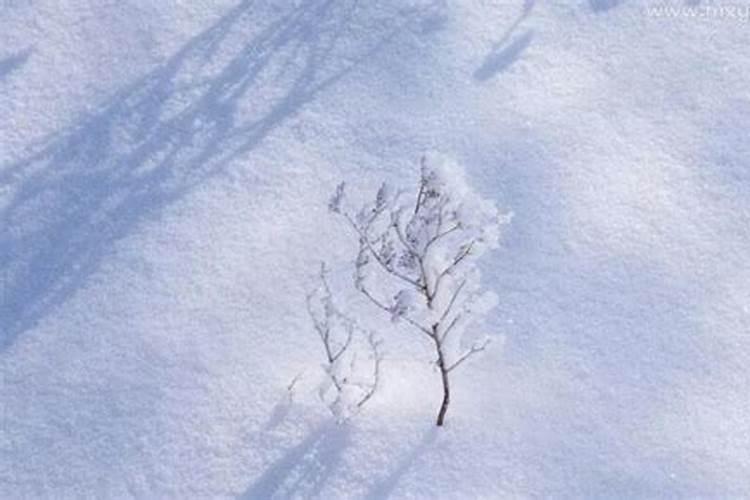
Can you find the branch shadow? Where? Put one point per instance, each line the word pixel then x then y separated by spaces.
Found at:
pixel 498 61
pixel 14 62
pixel 303 469
pixel 154 141
pixel 503 53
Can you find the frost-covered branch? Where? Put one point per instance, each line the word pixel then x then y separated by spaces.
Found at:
pixel 451 325
pixel 364 238
pixel 392 310
pixel 453 300
pixel 334 348
pixel 466 355
pixel 377 357
pixel 349 382
pixel 464 252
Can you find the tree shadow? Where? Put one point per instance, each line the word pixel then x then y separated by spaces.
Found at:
pixel 215 100
pixel 505 52
pixel 302 470
pixel 14 62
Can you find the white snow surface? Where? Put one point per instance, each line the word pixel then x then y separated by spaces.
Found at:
pixel 164 174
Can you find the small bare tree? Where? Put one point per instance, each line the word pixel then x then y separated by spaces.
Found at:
pixel 350 381
pixel 417 260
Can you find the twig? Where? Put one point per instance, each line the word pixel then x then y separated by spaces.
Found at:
pixel 474 349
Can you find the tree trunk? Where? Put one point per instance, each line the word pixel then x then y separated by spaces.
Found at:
pixel 443 377
pixel 446 392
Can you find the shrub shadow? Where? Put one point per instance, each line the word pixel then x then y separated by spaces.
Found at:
pixel 303 469
pixel 386 486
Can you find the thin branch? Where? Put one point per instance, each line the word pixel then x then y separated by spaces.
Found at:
pixel 452 324
pixel 346 343
pixel 387 309
pixel 422 183
pixel 338 384
pixel 320 326
pixel 441 205
pixel 375 301
pixel 474 349
pixel 456 261
pixel 364 237
pixel 402 238
pixel 293 383
pixel 425 284
pixel 421 195
pixel 324 280
pixel 323 327
pixel 452 301
pixel 439 236
pixel 377 359
pixel 418 204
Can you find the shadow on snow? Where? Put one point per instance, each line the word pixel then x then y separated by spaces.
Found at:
pixel 216 99
pixel 505 52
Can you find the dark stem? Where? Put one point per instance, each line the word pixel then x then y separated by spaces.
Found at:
pixel 443 377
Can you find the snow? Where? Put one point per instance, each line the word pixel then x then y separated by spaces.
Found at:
pixel 165 170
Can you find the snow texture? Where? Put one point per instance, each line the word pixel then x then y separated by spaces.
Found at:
pixel 165 170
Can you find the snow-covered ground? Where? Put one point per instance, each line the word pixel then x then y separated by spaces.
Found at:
pixel 164 173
